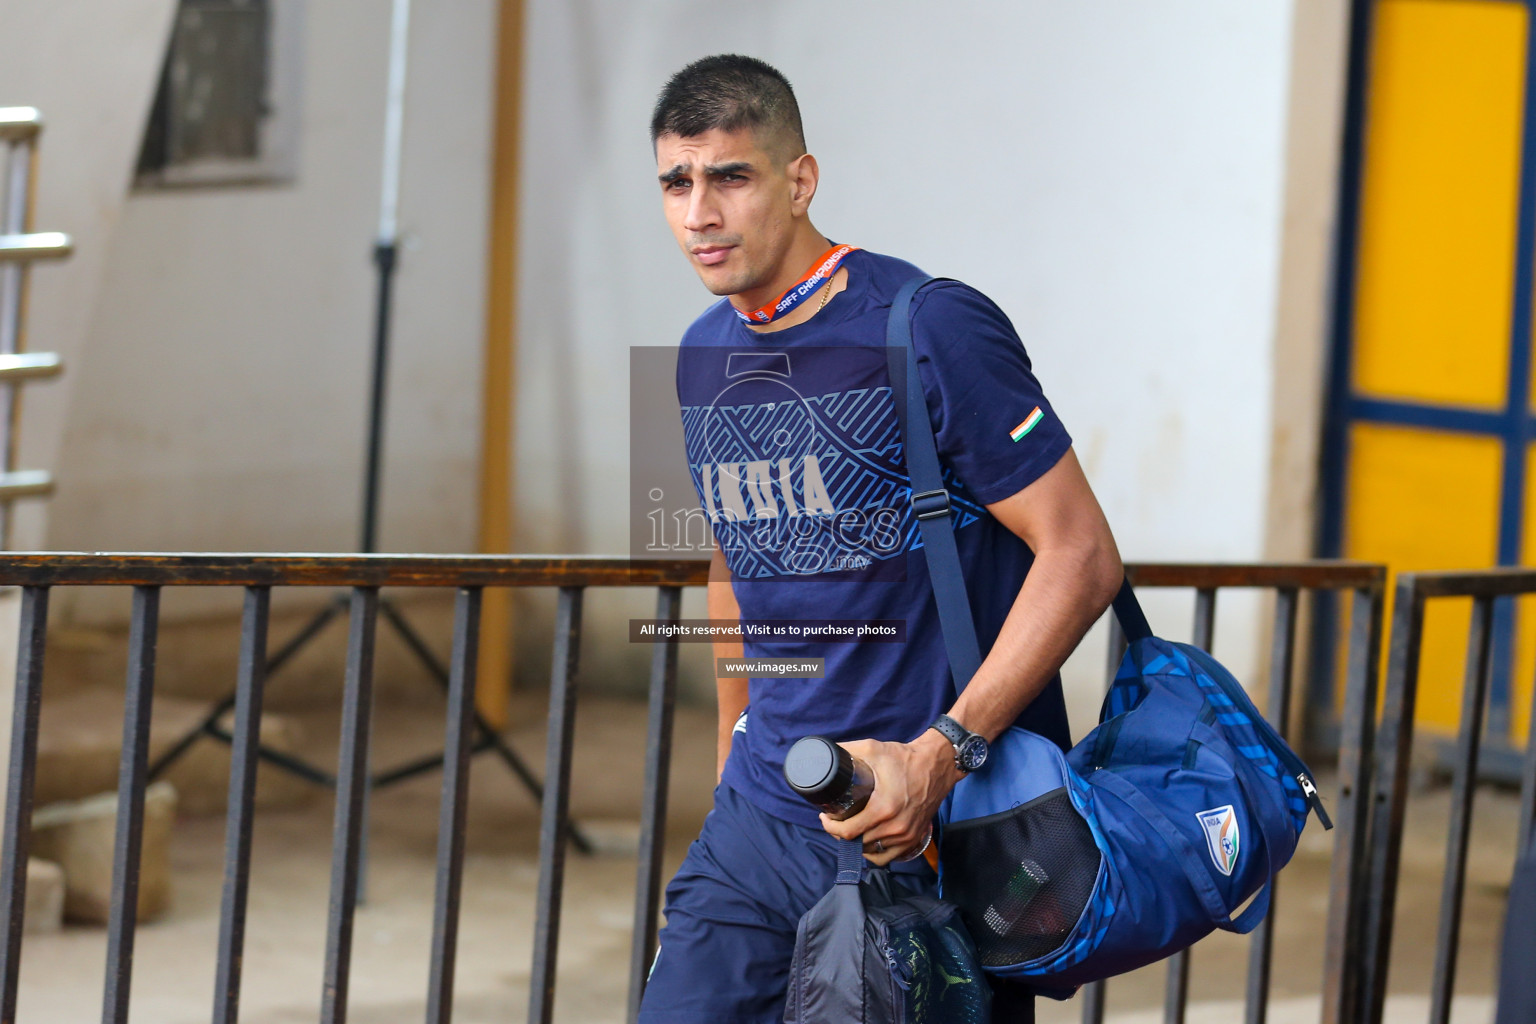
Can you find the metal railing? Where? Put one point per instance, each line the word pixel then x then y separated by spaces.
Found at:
pixel 1394 750
pixel 20 246
pixel 1347 882
pixel 36 574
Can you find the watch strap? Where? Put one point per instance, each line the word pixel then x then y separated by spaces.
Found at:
pixel 951 730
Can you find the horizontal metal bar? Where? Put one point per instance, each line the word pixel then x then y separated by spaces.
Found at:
pixel 1471 582
pixel 30 366
pixel 36 245
pixel 323 570
pixel 19 123
pixel 25 483
pixel 1323 574
pixel 79 568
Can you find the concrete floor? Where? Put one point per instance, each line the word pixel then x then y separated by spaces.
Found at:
pixel 61 975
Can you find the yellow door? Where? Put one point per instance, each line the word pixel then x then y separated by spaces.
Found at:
pixel 1430 439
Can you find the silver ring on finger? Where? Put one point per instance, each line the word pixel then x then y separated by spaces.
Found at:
pixel 879 846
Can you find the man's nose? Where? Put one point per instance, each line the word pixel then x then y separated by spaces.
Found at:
pixel 703 213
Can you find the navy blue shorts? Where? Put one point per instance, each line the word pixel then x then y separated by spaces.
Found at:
pixel 732 910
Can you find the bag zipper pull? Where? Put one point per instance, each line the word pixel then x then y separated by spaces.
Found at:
pixel 1312 798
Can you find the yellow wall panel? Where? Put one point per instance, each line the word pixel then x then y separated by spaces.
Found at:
pixel 1524 671
pixel 1438 202
pixel 1421 499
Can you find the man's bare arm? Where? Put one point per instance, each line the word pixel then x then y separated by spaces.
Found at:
pixel 1075 575
pixel 731 693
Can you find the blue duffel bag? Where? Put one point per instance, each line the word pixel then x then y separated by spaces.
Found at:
pixel 1149 834
pixel 1145 837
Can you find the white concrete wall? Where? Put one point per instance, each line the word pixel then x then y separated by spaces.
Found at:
pixel 1111 172
pixel 1114 173
pixel 91 69
pixel 220 398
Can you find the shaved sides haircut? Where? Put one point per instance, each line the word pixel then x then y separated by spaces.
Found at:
pixel 731 92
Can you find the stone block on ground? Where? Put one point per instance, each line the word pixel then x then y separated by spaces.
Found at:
pixel 45 896
pixel 611 837
pixel 201 776
pixel 80 744
pixel 78 836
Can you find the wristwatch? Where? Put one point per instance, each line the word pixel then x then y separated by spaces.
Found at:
pixel 970 749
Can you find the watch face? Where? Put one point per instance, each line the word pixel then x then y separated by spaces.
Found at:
pixel 972 754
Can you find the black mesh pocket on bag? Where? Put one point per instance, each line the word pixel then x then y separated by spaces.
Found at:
pixel 1021 878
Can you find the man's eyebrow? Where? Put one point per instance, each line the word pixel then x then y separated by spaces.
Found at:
pixel 710 170
pixel 735 167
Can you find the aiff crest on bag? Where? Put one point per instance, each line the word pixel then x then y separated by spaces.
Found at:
pixel 1221 836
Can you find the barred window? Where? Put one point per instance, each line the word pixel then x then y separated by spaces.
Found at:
pixel 226 108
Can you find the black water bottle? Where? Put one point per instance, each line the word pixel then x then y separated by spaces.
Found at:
pixel 828 776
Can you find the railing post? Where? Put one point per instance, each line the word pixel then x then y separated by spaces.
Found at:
pixel 1176 997
pixel 1349 879
pixel 452 809
pixel 653 811
pixel 1282 661
pixel 250 680
pixel 122 917
pixel 1094 993
pixel 1474 698
pixel 1389 793
pixel 351 792
pixel 22 773
pixel 555 824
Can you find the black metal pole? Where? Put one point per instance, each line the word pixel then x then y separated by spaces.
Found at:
pixel 384 254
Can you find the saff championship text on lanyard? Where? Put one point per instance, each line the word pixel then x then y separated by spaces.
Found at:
pixel 814 278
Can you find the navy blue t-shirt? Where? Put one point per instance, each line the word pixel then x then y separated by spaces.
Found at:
pixel 794 447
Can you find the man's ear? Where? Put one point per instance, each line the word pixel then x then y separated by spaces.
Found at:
pixel 803 176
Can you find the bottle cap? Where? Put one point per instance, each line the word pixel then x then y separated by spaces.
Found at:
pixel 819 770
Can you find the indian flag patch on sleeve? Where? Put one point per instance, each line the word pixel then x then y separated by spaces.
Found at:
pixel 1030 423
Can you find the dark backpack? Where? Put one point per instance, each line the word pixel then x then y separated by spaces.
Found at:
pixel 870 953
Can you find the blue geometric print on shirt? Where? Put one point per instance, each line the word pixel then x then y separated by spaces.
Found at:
pixel 851 438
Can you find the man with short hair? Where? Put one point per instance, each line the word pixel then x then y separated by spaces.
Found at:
pixel 790 425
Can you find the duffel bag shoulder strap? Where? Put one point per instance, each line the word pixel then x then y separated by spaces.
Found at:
pixel 930 501
pixel 850 862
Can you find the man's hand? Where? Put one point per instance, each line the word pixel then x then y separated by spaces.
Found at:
pixel 911 780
